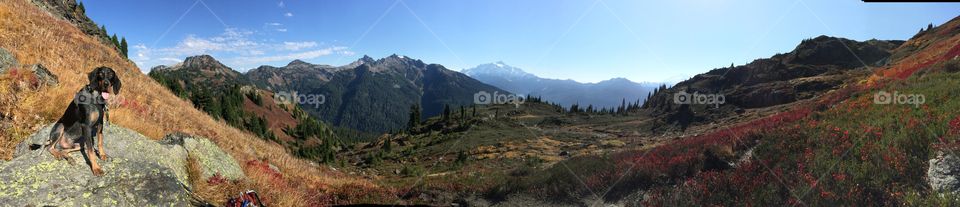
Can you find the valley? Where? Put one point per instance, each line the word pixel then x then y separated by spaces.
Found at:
pixel 830 122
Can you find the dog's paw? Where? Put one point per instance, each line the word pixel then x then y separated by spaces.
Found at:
pixel 97 172
pixel 103 156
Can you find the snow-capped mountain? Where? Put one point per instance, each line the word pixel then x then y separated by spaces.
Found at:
pixel 608 93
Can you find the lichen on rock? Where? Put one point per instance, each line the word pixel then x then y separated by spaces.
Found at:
pixel 7 60
pixel 138 171
pixel 944 172
pixel 212 160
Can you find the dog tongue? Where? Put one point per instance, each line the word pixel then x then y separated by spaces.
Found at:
pixel 105 95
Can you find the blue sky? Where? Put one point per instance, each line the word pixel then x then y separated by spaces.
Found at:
pixel 583 40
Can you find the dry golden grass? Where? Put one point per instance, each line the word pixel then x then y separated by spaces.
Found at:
pixel 209 191
pixel 34 36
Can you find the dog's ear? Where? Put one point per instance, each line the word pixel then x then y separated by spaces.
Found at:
pixel 115 82
pixel 94 76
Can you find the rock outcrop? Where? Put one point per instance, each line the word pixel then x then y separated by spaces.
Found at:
pixel 7 61
pixel 73 11
pixel 943 173
pixel 212 160
pixel 43 75
pixel 138 171
pixel 29 76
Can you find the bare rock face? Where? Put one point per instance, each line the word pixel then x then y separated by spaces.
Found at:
pixel 44 76
pixel 139 171
pixel 37 72
pixel 74 12
pixel 943 173
pixel 7 60
pixel 212 160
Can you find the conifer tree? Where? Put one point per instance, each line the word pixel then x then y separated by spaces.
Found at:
pixel 446 113
pixel 414 121
pixel 116 42
pixel 123 47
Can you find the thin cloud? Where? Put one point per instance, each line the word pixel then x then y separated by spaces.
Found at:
pixel 274 26
pixel 298 45
pixel 234 47
pixel 291 56
pixel 288 14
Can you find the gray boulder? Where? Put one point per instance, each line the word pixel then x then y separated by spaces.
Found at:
pixel 943 172
pixel 7 60
pixel 44 76
pixel 138 171
pixel 211 159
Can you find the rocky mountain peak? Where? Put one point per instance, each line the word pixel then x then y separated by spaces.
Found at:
pixel 394 58
pixel 826 50
pixel 297 62
pixel 202 62
pixel 498 68
pixel 366 58
pixel 394 61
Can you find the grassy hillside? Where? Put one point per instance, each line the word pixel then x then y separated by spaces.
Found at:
pixel 856 153
pixel 35 37
pixel 840 148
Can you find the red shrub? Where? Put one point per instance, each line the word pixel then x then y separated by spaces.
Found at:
pixel 684 158
pixel 217 179
pixel 955 126
pixel 264 166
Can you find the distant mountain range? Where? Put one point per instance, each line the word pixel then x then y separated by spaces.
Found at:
pixel 609 93
pixel 372 95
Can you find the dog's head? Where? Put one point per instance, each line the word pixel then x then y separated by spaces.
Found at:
pixel 105 80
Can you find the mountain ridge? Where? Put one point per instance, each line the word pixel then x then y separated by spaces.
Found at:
pixel 359 88
pixel 349 91
pixel 815 66
pixel 607 93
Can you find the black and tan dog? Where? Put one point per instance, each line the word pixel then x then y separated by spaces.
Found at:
pixel 84 119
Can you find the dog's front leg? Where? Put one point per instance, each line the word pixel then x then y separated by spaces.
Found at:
pixel 88 149
pixel 102 152
pixel 89 129
pixel 94 166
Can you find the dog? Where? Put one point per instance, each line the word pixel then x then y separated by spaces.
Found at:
pixel 84 119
